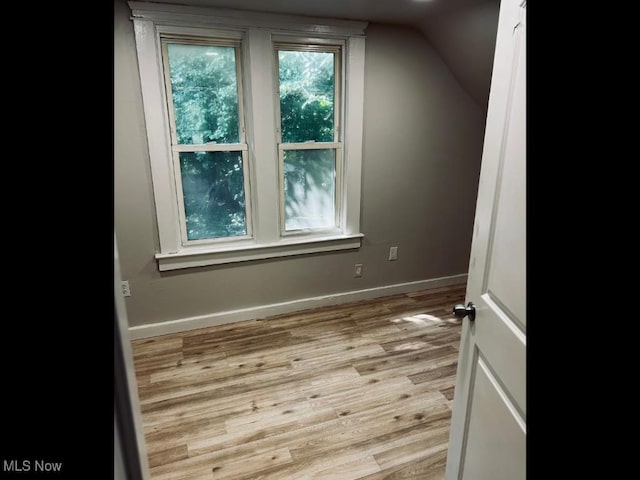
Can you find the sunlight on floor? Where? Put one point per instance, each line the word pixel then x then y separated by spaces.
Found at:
pixel 422 319
pixel 411 346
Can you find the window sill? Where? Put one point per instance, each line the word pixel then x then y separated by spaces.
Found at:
pixel 203 256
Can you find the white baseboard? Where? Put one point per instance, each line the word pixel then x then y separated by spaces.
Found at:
pixel 232 316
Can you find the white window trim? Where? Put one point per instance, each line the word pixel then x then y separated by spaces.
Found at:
pixel 257 30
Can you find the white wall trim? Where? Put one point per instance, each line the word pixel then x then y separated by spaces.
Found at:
pixel 222 17
pixel 263 186
pixel 286 247
pixel 252 313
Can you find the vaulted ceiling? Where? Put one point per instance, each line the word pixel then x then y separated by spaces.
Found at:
pixel 462 31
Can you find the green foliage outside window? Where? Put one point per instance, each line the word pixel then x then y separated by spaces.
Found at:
pixel 205 101
pixel 204 91
pixel 307 86
pixel 306 96
pixel 212 183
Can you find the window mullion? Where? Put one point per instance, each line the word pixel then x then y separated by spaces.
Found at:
pixel 353 128
pixel 260 104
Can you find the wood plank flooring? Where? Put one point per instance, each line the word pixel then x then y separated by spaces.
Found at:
pixel 357 391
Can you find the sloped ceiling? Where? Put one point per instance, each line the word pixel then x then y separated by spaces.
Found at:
pixel 463 32
pixel 466 38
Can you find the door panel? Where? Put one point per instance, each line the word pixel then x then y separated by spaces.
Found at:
pixel 506 265
pixel 488 430
pixel 504 346
pixel 494 416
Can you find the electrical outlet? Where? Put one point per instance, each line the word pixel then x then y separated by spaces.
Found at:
pixel 126 291
pixel 393 253
pixel 357 271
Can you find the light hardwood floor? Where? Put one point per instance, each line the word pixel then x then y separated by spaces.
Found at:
pixel 357 391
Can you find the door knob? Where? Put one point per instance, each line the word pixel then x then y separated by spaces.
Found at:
pixel 461 311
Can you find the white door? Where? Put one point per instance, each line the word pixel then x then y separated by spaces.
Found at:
pixel 130 452
pixel 488 431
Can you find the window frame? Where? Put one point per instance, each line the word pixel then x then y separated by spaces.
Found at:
pixel 177 148
pixel 337 47
pixel 258 34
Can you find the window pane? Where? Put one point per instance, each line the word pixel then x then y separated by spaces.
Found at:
pixel 306 96
pixel 213 187
pixel 205 93
pixel 309 188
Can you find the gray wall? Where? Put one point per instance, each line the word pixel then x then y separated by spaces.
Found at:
pixel 422 149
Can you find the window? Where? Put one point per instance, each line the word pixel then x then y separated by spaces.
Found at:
pixel 254 126
pixel 308 136
pixel 207 137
